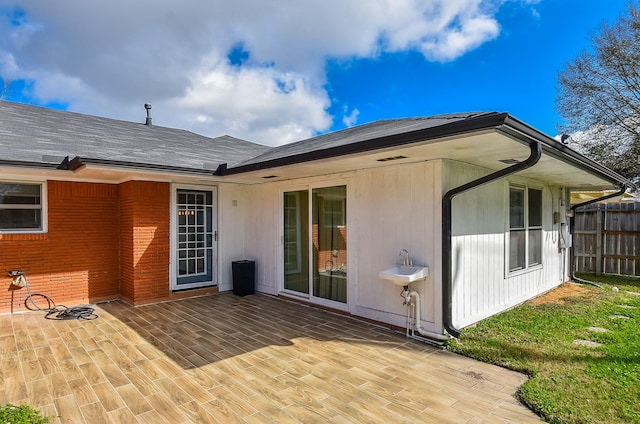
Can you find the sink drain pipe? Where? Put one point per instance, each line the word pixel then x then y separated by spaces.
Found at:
pixel 414 324
pixel 447 289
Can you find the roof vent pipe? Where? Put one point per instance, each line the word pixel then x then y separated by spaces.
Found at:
pixel 148 107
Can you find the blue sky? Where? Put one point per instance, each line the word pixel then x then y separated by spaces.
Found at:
pixel 276 72
pixel 515 73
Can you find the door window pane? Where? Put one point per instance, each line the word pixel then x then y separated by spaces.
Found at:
pixel 296 241
pixel 330 243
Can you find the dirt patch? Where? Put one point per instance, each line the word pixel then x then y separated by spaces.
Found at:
pixel 560 293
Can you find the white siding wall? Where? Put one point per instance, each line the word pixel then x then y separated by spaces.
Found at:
pixel 394 208
pixel 481 283
pixel 249 228
pixel 388 209
pixel 232 208
pixel 262 234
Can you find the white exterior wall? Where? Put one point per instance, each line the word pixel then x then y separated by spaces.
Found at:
pixel 388 209
pixel 394 208
pixel 399 207
pixel 481 283
pixel 248 223
pixel 232 208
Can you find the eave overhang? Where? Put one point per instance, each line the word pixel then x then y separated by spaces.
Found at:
pixel 395 140
pixel 562 152
pixel 554 153
pixel 102 170
pixel 484 140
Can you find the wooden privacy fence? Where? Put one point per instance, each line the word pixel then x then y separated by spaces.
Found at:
pixel 606 239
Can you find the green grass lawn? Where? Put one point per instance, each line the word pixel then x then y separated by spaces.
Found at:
pixel 570 382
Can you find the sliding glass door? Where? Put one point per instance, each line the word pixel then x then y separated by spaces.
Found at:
pixel 315 242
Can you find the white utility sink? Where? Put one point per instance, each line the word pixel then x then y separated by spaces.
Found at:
pixel 403 275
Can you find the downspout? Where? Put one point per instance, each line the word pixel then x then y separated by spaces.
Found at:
pixel 447 308
pixel 572 221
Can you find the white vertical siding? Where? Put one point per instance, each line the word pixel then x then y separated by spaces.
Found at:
pixel 231 230
pixel 388 209
pixel 481 284
pixel 396 208
pixel 399 207
pixel 262 234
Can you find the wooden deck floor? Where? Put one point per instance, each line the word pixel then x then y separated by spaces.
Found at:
pixel 254 359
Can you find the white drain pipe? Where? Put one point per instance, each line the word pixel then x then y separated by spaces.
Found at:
pixel 415 324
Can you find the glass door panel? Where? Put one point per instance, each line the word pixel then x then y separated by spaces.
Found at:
pixel 329 232
pixel 296 241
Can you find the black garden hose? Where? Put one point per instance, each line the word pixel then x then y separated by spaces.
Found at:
pixel 54 312
pixel 61 312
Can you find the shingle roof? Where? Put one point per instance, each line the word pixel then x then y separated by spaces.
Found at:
pixel 39 135
pixel 361 133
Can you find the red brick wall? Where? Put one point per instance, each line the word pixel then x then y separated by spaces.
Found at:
pixel 76 261
pixel 144 241
pixel 104 242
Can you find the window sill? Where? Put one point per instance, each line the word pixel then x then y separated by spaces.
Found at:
pixel 519 272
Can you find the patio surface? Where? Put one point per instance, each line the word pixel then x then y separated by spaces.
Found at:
pixel 254 359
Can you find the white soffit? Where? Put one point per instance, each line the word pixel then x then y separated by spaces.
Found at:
pixel 487 150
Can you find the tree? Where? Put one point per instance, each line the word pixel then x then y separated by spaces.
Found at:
pixel 599 96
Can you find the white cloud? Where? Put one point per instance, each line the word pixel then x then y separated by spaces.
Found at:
pixel 109 58
pixel 260 104
pixel 350 119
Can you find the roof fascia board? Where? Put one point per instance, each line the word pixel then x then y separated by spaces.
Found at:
pixel 452 129
pixel 25 164
pixel 79 162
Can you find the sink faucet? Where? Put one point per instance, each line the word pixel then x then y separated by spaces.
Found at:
pixel 406 261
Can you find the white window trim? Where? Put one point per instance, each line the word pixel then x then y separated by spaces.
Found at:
pixel 527 268
pixel 44 208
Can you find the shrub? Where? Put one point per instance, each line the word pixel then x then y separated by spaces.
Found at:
pixel 23 414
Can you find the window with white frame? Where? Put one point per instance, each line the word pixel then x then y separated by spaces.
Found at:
pixel 21 207
pixel 525 228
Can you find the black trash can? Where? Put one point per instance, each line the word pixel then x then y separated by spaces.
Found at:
pixel 244 276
